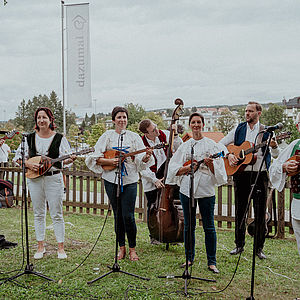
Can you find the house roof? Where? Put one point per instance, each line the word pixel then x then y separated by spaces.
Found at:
pixel 216 136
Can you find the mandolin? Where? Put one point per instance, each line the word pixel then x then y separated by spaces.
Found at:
pixel 245 153
pixel 46 162
pixel 198 163
pixel 115 154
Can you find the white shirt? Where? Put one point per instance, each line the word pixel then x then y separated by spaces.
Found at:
pixel 204 179
pixel 278 177
pixel 4 151
pixel 42 148
pixel 250 136
pixel 110 139
pixel 148 177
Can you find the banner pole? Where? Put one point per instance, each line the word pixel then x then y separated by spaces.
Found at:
pixel 63 67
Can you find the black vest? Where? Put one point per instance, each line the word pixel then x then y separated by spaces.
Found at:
pixel 53 151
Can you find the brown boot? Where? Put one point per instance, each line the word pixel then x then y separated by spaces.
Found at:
pixel 122 253
pixel 132 254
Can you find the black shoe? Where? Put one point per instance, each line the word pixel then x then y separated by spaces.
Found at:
pixel 237 250
pixel 153 241
pixel 7 245
pixel 261 254
pixel 213 269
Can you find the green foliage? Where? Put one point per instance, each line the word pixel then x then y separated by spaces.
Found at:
pixel 156 118
pixel 96 131
pixel 290 126
pixel 25 112
pixel 135 111
pixel 241 114
pixel 134 127
pixel 273 115
pixel 226 122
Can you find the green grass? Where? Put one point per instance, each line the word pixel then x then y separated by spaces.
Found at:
pixel 278 277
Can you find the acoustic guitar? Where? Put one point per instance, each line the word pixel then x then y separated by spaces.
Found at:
pixel 110 154
pixel 297 159
pixel 245 153
pixel 46 162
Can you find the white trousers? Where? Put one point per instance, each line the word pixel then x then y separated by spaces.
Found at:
pixel 296 227
pixel 48 189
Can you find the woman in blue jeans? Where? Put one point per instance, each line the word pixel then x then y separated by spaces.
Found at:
pixel 212 172
pixel 130 142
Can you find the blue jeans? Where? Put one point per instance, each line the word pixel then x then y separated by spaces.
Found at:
pixel 124 217
pixel 206 206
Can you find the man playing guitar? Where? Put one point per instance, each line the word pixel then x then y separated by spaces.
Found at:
pixel 247 131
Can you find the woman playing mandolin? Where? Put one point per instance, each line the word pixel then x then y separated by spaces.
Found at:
pixel 210 173
pixel 49 187
pixel 97 162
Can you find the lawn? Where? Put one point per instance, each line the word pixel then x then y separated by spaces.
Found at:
pixel 277 277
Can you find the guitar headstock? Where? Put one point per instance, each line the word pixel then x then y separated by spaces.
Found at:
pixel 219 154
pixel 283 136
pixel 160 146
pixel 11 134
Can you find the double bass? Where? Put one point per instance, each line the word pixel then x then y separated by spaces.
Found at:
pixel 166 221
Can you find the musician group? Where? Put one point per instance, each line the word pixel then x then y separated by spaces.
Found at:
pixel 162 167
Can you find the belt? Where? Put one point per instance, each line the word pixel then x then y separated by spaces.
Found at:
pixel 50 173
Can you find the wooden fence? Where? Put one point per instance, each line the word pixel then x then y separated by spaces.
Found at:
pixel 85 194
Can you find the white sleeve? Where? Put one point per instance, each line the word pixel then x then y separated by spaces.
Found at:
pixel 277 176
pixel 229 138
pixel 138 158
pixel 65 149
pixel 176 162
pixel 18 154
pixel 219 168
pixel 100 148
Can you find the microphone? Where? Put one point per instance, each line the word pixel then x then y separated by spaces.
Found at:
pixel 275 127
pixel 122 132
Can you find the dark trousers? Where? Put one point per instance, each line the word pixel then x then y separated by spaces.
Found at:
pixel 151 199
pixel 124 217
pixel 206 206
pixel 242 188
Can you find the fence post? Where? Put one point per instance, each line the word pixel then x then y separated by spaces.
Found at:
pixel 281 221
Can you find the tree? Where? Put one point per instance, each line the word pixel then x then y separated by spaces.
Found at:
pixel 135 111
pixel 273 115
pixel 25 112
pixel 226 122
pixel 194 109
pixel 73 134
pixel 96 131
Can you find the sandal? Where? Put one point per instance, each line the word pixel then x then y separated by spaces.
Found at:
pixel 132 254
pixel 122 253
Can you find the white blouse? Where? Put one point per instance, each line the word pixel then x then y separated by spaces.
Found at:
pixel 204 179
pixel 148 177
pixel 278 177
pixel 132 142
pixel 42 148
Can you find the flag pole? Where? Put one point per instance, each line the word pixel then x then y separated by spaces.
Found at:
pixel 63 66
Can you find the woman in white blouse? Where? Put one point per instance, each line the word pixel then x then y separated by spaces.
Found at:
pixel 48 187
pixel 210 173
pixel 130 141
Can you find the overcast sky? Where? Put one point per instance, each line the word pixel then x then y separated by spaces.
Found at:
pixel 151 52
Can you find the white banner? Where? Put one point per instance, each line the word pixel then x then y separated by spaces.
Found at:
pixel 78 56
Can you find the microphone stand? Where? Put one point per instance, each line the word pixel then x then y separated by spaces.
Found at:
pixel 116 267
pixel 29 269
pixel 186 274
pixel 256 207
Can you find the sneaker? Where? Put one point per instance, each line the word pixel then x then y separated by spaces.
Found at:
pixel 39 255
pixel 61 255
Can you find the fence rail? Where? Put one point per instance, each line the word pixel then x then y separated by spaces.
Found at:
pixel 85 194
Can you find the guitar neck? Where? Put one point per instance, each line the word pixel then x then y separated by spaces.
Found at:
pixel 255 148
pixel 135 152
